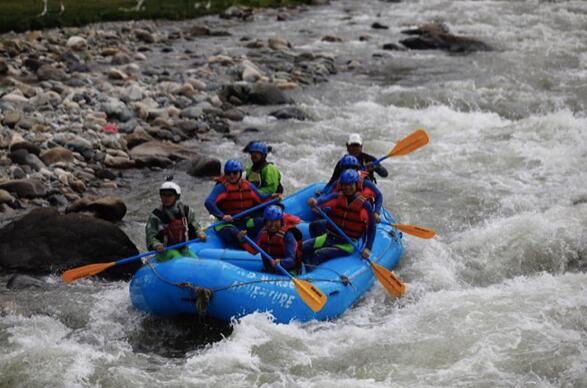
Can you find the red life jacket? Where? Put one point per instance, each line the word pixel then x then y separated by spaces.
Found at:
pixel 348 215
pixel 236 198
pixel 275 245
pixel 175 230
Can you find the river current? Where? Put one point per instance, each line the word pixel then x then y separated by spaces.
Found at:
pixel 498 298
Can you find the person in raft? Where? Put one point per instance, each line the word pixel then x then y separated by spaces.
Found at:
pixel 231 195
pixel 263 174
pixel 354 147
pixel 367 188
pixel 350 211
pixel 171 223
pixel 280 239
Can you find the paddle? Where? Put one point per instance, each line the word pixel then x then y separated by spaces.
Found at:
pixel 414 230
pixel 248 211
pixel 407 145
pixel 387 278
pixel 93 269
pixel 312 296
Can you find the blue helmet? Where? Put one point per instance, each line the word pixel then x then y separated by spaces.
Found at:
pixel 233 165
pixel 349 176
pixel 273 213
pixel 349 161
pixel 258 146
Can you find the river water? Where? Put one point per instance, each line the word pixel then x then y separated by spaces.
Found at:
pixel 498 298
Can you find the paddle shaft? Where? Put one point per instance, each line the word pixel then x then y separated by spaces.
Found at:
pixel 266 256
pixel 250 210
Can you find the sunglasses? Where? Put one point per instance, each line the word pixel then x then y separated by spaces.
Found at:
pixel 233 173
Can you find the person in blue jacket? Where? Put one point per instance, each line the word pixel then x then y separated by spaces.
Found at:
pixel 232 195
pixel 351 212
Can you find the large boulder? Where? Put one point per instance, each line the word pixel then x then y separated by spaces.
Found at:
pixel 435 36
pixel 203 166
pixel 108 208
pixel 262 93
pixel 45 241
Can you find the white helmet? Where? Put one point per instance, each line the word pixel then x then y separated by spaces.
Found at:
pixel 171 186
pixel 354 138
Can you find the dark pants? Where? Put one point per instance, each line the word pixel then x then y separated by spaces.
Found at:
pixel 317 228
pixel 228 232
pixel 317 251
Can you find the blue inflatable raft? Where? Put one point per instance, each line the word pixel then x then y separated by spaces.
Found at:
pixel 239 287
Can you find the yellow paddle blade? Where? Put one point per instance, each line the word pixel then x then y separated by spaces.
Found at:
pixel 85 271
pixel 310 294
pixel 414 230
pixel 410 143
pixel 389 280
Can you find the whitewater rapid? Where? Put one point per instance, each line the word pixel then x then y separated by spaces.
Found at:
pixel 498 298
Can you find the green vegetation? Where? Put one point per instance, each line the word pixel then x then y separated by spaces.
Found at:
pixel 22 15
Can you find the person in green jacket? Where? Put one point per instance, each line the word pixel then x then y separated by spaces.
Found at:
pixel 172 223
pixel 263 174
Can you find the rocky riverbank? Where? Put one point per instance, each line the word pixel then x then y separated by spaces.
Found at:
pixel 81 106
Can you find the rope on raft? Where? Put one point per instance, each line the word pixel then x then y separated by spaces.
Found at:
pixel 204 295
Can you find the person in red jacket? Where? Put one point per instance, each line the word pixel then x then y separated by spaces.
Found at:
pixel 230 196
pixel 279 239
pixel 349 210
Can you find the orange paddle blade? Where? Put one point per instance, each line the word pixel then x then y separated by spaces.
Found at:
pixel 389 280
pixel 85 271
pixel 414 230
pixel 310 294
pixel 410 143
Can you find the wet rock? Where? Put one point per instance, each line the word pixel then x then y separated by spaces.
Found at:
pixel 203 166
pixel 267 94
pixel 161 149
pixel 144 36
pixel 57 155
pixel 108 208
pixel 45 241
pixel 77 43
pixel 379 26
pixel 104 173
pixel 392 47
pixel 139 136
pixel 24 282
pixel 24 158
pixel 120 58
pixel 6 198
pixel 331 39
pixel 11 118
pixel 118 162
pixel 3 67
pixel 48 72
pixel 290 112
pixel 278 43
pixel 25 188
pixel 199 31
pixel 435 36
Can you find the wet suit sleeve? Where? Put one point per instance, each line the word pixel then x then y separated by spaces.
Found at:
pixel 271 177
pixel 289 260
pixel 324 201
pixel 371 227
pixel 211 201
pixel 378 195
pixel 192 220
pixel 379 169
pixel 333 179
pixel 151 231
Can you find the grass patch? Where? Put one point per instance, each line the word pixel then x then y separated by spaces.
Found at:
pixel 23 15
